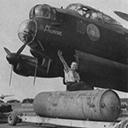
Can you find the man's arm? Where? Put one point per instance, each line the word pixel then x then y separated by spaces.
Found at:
pixel 66 67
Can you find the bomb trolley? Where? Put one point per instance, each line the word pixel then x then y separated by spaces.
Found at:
pixel 13 119
pixel 90 108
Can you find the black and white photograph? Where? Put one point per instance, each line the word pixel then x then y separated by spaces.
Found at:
pixel 64 63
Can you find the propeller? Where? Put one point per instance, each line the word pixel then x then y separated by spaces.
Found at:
pixel 122 15
pixel 26 32
pixel 13 58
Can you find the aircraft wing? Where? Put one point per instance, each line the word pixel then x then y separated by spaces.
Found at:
pixel 3 96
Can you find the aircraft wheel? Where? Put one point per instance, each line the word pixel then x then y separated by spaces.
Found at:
pixel 12 119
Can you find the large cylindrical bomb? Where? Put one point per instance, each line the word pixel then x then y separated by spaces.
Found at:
pixel 102 105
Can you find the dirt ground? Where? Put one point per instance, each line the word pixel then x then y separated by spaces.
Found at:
pixel 20 125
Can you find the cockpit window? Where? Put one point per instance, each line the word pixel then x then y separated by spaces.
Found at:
pixel 93 14
pixel 98 16
pixel 73 7
pixel 43 11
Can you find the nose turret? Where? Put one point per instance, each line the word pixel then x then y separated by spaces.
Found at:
pixel 27 31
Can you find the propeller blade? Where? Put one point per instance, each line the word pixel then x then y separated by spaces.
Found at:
pixel 10 79
pixel 35 71
pixel 49 62
pixel 7 51
pixel 21 49
pixel 122 15
pixel 43 61
pixel 14 57
pixel 41 46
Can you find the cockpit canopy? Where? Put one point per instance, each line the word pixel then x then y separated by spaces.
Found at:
pixel 93 14
pixel 43 11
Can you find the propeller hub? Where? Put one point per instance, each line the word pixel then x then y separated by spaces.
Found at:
pixel 12 59
pixel 27 31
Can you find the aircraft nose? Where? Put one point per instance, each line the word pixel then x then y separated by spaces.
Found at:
pixel 27 31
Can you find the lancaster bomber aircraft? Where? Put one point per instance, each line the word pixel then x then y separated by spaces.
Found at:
pixel 96 41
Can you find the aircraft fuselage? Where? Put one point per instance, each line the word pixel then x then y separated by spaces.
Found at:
pixel 96 41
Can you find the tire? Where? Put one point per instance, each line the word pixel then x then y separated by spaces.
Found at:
pixel 12 119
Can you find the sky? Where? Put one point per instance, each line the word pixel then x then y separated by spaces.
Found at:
pixel 12 14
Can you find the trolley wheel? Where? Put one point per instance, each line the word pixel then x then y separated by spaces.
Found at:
pixel 12 119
